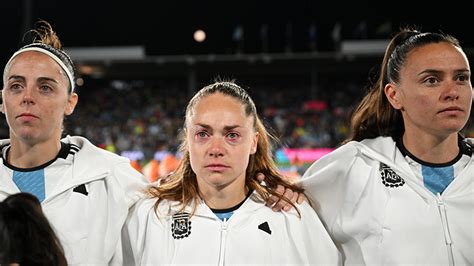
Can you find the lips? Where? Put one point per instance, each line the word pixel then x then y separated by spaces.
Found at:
pixel 217 167
pixel 453 109
pixel 27 116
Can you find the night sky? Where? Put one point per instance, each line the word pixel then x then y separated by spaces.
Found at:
pixel 166 27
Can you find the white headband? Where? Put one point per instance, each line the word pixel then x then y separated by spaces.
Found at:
pixel 53 56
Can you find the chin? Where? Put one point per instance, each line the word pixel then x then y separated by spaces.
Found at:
pixel 27 137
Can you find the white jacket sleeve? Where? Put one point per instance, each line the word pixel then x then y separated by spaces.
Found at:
pixel 135 232
pixel 316 246
pixel 326 183
pixel 133 183
pixel 132 187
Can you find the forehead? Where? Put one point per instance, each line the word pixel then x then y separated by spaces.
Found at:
pixel 32 62
pixel 219 108
pixel 439 56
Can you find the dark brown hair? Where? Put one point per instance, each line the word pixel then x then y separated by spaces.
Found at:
pixel 375 116
pixel 26 236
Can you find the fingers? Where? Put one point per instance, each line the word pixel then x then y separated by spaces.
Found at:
pixel 273 198
pixel 276 202
pixel 282 204
pixel 271 201
pixel 301 198
pixel 293 199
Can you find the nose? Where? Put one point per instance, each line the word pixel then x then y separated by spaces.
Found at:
pixel 28 96
pixel 216 148
pixel 451 92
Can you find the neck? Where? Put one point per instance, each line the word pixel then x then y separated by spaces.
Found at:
pixel 24 155
pixel 432 149
pixel 224 198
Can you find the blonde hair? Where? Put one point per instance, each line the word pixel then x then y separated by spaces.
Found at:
pixel 182 186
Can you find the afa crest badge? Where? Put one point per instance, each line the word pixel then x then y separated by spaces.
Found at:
pixel 389 177
pixel 181 225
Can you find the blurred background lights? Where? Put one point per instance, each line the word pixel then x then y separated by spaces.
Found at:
pixel 199 36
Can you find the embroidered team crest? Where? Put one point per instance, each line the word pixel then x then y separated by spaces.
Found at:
pixel 181 225
pixel 389 177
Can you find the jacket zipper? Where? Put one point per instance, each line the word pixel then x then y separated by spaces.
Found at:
pixel 447 234
pixel 441 209
pixel 223 242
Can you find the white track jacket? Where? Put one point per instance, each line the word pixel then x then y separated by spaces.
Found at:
pixel 253 235
pixel 88 224
pixel 379 213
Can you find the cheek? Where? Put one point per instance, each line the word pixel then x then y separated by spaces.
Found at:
pixel 242 157
pixel 417 102
pixel 194 157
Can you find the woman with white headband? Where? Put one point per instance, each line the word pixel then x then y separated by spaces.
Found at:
pixel 85 191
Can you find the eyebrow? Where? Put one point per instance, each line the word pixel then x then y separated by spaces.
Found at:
pixel 434 71
pixel 40 79
pixel 226 128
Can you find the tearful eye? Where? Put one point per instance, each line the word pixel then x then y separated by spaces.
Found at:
pixel 201 134
pixel 233 136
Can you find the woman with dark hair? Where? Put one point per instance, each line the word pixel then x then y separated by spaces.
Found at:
pixel 211 210
pixel 401 188
pixel 85 191
pixel 26 237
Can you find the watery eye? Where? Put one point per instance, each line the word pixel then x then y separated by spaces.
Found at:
pixel 201 134
pixel 232 135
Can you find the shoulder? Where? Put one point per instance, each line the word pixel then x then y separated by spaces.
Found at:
pixel 344 156
pixel 144 205
pixel 147 204
pixel 4 142
pixel 92 161
pixel 467 145
pixel 92 154
pixel 381 145
pixel 336 160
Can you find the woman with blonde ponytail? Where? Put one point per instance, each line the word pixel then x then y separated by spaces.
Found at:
pixel 211 210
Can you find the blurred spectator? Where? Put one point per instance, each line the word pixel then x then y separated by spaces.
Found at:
pixel 153 125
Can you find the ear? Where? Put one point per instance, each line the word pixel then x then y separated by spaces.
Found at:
pixel 253 149
pixel 393 95
pixel 71 103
